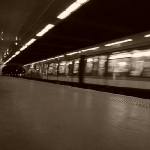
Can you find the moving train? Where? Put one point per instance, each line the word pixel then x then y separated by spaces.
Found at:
pixel 119 66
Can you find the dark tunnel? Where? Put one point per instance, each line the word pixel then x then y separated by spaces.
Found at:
pixel 13 70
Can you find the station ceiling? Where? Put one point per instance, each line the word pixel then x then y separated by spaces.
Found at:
pixel 95 22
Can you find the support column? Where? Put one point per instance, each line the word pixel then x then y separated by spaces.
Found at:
pixel 81 69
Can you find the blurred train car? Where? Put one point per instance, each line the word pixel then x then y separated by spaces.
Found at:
pixel 119 66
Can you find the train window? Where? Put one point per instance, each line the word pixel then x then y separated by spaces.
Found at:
pixel 101 65
pixel 50 70
pixel 135 63
pixel 44 71
pixel 38 70
pixel 120 55
pixel 140 62
pixel 62 67
pixel 95 66
pixel 55 69
pixel 120 64
pixel 89 66
pixel 69 67
pixel 76 66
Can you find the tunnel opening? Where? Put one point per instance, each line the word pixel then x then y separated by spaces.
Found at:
pixel 13 70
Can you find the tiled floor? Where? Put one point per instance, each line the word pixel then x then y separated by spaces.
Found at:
pixel 43 116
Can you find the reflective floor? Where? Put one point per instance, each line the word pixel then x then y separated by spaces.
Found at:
pixel 43 116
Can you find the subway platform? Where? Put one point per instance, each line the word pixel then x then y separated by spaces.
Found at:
pixel 43 116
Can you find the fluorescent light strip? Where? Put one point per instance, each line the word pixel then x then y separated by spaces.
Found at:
pixel 43 60
pixel 72 53
pixel 50 58
pixel 82 1
pixel 63 15
pixel 119 42
pixel 46 29
pixel 24 47
pixel 30 42
pixel 90 49
pixel 27 44
pixel 17 53
pixel 60 56
pixel 148 35
pixel 13 56
pixel 73 7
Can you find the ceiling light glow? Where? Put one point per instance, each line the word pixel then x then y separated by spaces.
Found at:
pixel 13 56
pixel 63 15
pixel 119 42
pixel 46 29
pixel 43 60
pixel 50 58
pixel 73 7
pixel 17 52
pixel 72 53
pixel 30 42
pixel 82 1
pixel 24 47
pixel 60 56
pixel 90 49
pixel 27 44
pixel 148 35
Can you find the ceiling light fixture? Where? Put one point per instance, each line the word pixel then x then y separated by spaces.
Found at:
pixel 73 7
pixel 24 47
pixel 148 35
pixel 63 15
pixel 119 42
pixel 30 42
pixel 17 53
pixel 27 44
pixel 46 29
pixel 72 53
pixel 60 56
pixel 50 58
pixel 82 1
pixel 13 55
pixel 43 60
pixel 90 49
